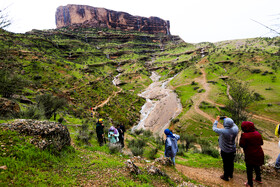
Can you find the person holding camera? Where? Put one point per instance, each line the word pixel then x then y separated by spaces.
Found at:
pixel 227 145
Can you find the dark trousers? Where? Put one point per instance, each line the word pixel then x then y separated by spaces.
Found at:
pixel 100 139
pixel 228 163
pixel 121 139
pixel 249 169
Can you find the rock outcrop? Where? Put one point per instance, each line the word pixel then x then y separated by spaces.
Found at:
pixel 45 134
pixel 8 107
pixel 88 16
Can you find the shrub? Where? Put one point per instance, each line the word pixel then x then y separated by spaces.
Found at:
pixel 137 143
pixel 84 135
pixel 137 151
pixel 140 131
pixel 147 133
pixel 180 150
pixel 188 139
pixel 50 104
pixel 159 140
pixel 115 148
pixel 209 150
pixel 32 112
pixel 152 153
pixel 10 83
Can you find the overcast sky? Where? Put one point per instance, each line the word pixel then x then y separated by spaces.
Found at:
pixel 193 20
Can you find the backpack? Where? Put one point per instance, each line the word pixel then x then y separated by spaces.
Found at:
pixel 277 130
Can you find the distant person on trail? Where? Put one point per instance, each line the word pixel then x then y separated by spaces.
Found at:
pixel 277 133
pixel 100 131
pixel 113 135
pixel 227 145
pixel 121 131
pixel 171 146
pixel 251 142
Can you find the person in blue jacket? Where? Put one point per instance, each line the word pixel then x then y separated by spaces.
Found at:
pixel 171 146
pixel 227 145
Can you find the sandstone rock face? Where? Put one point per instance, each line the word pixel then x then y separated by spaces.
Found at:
pixel 44 133
pixel 102 18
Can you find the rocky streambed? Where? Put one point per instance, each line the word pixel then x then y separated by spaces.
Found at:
pixel 162 105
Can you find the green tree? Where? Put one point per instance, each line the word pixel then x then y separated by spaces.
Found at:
pixel 50 104
pixel 241 97
pixel 10 83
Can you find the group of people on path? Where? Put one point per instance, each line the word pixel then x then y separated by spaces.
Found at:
pixel 251 142
pixel 115 135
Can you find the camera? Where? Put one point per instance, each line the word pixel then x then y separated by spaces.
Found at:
pixel 222 117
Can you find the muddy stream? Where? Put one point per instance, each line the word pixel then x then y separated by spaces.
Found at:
pixel 162 105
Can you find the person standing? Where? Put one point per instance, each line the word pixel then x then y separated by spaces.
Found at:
pixel 113 135
pixel 251 142
pixel 171 146
pixel 277 133
pixel 100 131
pixel 227 145
pixel 121 131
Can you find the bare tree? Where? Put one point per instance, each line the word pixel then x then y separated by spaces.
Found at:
pixel 4 19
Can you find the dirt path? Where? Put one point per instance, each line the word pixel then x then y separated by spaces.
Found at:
pixel 211 177
pixel 105 101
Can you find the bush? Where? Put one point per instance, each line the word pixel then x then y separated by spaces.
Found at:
pixel 209 150
pixel 137 143
pixel 180 150
pixel 137 151
pixel 50 104
pixel 115 148
pixel 152 153
pixel 32 112
pixel 188 139
pixel 159 141
pixel 147 133
pixel 84 135
pixel 140 131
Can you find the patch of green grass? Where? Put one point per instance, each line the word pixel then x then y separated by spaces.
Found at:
pixel 185 93
pixel 205 161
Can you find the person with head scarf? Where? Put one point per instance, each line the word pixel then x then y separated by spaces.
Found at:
pixel 227 145
pixel 251 142
pixel 171 146
pixel 113 135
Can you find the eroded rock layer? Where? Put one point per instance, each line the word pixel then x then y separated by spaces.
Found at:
pixel 104 18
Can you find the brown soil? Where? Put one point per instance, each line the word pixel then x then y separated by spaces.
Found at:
pixel 211 177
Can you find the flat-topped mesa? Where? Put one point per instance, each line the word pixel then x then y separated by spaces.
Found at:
pixel 103 18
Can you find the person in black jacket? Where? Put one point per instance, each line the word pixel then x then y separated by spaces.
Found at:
pixel 100 131
pixel 121 130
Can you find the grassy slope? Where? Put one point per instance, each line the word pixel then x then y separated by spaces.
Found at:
pixel 69 63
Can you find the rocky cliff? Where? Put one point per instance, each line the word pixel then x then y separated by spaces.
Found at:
pixel 101 17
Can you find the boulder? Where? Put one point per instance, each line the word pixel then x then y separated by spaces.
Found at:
pixel 164 161
pixel 132 167
pixel 45 134
pixel 8 107
pixel 153 170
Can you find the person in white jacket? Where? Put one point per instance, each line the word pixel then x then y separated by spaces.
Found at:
pixel 171 146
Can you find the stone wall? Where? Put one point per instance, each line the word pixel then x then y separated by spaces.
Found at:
pixel 44 134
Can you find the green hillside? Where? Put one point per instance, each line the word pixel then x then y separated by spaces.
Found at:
pixel 73 69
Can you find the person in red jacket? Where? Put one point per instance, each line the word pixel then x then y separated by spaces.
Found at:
pixel 251 142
